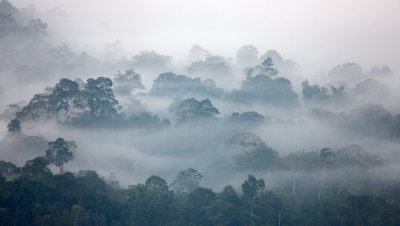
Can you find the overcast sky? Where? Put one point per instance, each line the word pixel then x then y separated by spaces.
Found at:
pixel 318 34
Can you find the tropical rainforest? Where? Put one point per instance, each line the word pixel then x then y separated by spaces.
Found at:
pixel 144 139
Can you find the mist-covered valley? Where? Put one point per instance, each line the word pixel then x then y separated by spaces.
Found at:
pixel 168 131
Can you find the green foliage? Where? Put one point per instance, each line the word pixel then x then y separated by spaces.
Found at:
pixel 187 181
pixel 259 158
pixel 189 110
pixel 58 200
pixel 47 105
pixel 349 71
pixel 371 119
pixel 128 82
pixel 251 187
pixel 35 169
pixel 151 61
pixel 196 204
pixel 145 120
pixel 92 104
pixel 211 66
pixel 368 119
pixel 349 156
pixel 247 56
pixel 148 206
pixel 60 152
pixel 157 183
pixel 261 86
pixel 101 100
pixel 252 117
pixel 322 95
pixel 170 84
pixel 86 199
pixel 8 170
pixel 251 153
pixel 345 209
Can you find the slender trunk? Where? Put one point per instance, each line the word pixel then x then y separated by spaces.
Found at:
pixel 279 218
pixel 61 169
pixel 294 187
pixel 294 182
pixel 323 179
pixel 252 205
pixel 319 190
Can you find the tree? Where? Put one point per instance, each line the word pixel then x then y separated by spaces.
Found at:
pixel 192 109
pixel 251 188
pixel 262 85
pixel 187 181
pixel 268 69
pixel 251 153
pixel 213 66
pixel 8 170
pixel 260 158
pixel 371 119
pixel 60 152
pixel 14 126
pixel 151 61
pixel 157 183
pixel 35 168
pixel 88 105
pixel 196 205
pixel 285 66
pixel 128 82
pixel 172 85
pixel 148 206
pixel 247 56
pixel 313 93
pixel 372 90
pixel 101 99
pixel 380 71
pixel 65 90
pixel 197 53
pixel 347 73
pixel 325 154
pixel 247 117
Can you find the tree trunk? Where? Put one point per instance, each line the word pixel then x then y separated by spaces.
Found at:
pixel 319 190
pixel 294 182
pixel 279 218
pixel 61 169
pixel 323 179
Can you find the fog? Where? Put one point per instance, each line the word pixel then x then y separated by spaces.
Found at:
pixel 189 76
pixel 317 34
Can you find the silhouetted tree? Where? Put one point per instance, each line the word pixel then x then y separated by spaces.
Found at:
pixel 60 152
pixel 187 181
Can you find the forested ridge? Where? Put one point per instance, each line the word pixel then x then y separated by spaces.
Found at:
pixel 85 198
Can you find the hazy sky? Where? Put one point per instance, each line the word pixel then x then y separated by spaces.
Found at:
pixel 319 34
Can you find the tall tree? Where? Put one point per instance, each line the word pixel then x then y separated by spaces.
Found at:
pixel 101 99
pixel 192 109
pixel 251 188
pixel 157 183
pixel 128 82
pixel 187 181
pixel 325 155
pixel 60 152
